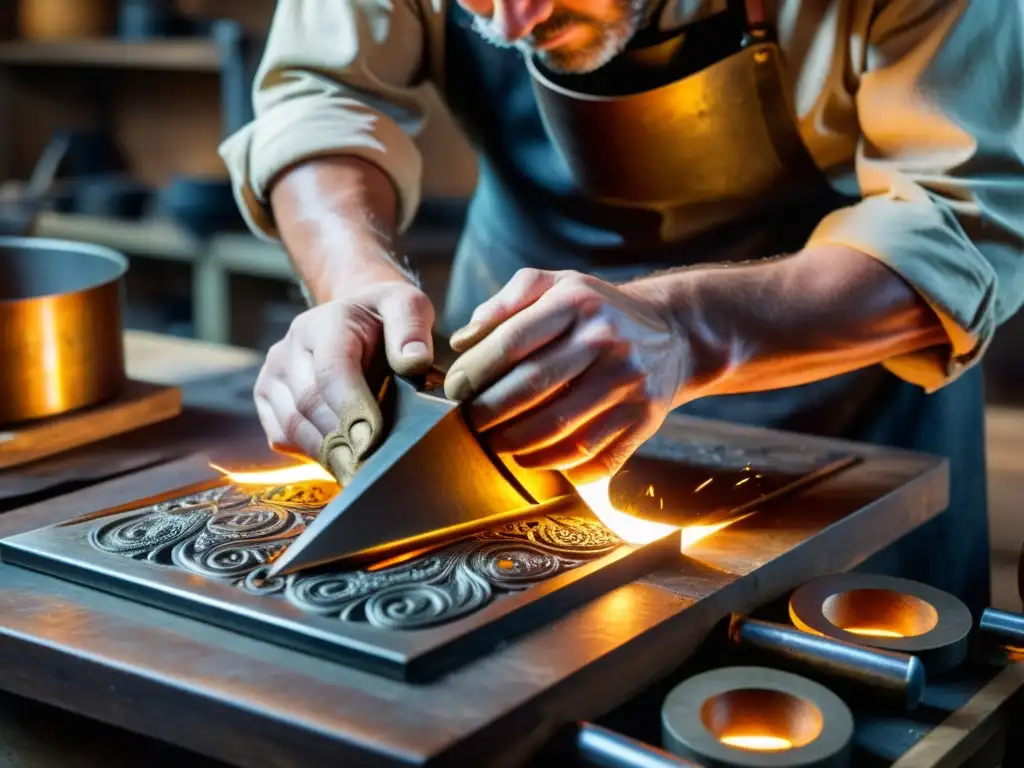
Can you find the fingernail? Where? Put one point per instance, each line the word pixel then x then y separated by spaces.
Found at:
pixel 464 334
pixel 457 386
pixel 342 464
pixel 415 349
pixel 359 435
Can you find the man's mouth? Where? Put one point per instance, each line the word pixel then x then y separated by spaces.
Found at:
pixel 556 37
pixel 559 31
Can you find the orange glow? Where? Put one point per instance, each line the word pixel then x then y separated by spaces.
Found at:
pixel 1014 653
pixel 299 473
pixel 632 530
pixel 691 534
pixel 757 743
pixel 873 632
pixel 380 565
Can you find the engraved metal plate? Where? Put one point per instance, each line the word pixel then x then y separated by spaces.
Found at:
pixel 205 551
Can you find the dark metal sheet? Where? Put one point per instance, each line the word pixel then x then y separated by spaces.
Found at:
pixel 205 553
pixel 697 482
pixel 208 553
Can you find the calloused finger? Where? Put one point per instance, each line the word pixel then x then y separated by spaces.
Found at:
pixel 530 383
pixel 309 400
pixel 586 443
pixel 298 430
pixel 272 428
pixel 596 390
pixel 408 319
pixel 525 287
pixel 608 461
pixel 338 368
pixel 506 347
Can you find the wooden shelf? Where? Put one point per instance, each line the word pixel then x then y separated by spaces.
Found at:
pixel 236 252
pixel 158 239
pixel 215 259
pixel 245 254
pixel 198 55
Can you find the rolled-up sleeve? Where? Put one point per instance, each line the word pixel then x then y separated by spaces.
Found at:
pixel 940 164
pixel 337 77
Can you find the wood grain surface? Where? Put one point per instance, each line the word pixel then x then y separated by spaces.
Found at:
pixel 205 421
pixel 139 405
pixel 984 721
pixel 171 678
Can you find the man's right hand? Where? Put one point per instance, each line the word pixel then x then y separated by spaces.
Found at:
pixel 313 382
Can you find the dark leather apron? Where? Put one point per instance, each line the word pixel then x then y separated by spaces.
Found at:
pixel 529 211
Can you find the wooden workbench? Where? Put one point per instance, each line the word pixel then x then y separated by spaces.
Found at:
pixel 173 678
pixel 169 677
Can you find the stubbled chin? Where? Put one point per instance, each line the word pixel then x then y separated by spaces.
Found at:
pixel 582 60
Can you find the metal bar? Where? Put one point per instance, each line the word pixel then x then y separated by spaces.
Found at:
pixel 1003 626
pixel 884 673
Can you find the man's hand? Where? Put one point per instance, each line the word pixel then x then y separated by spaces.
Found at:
pixel 313 381
pixel 567 372
pixel 337 218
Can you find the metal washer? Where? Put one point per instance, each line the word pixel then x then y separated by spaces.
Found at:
pixel 940 649
pixel 685 735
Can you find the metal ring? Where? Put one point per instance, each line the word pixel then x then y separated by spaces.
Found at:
pixel 933 625
pixel 701 714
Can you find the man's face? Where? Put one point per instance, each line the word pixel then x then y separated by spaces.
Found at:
pixel 569 36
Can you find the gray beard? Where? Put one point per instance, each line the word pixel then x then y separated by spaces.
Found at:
pixel 595 57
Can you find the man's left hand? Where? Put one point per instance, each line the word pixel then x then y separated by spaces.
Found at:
pixel 565 371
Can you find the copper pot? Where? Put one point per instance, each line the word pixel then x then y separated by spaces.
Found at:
pixel 672 141
pixel 61 345
pixel 66 19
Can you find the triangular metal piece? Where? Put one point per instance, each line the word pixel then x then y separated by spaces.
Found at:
pixel 429 480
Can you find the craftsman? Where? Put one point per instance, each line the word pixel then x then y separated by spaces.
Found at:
pixel 857 301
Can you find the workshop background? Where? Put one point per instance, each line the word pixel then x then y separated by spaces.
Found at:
pixel 112 113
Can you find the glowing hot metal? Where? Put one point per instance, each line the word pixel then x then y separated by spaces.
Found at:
pixel 299 473
pixel 633 530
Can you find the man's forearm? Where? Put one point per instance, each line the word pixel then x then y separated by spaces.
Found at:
pixel 819 313
pixel 337 218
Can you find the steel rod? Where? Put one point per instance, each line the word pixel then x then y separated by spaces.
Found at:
pixel 885 673
pixel 1003 626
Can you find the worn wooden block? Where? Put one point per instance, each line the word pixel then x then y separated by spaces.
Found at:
pixel 139 405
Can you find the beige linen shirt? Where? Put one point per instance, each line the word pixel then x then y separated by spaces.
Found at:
pixel 917 105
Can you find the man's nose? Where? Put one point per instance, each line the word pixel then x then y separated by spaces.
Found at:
pixel 515 19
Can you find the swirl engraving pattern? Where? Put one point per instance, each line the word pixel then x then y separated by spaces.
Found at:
pixel 233 533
